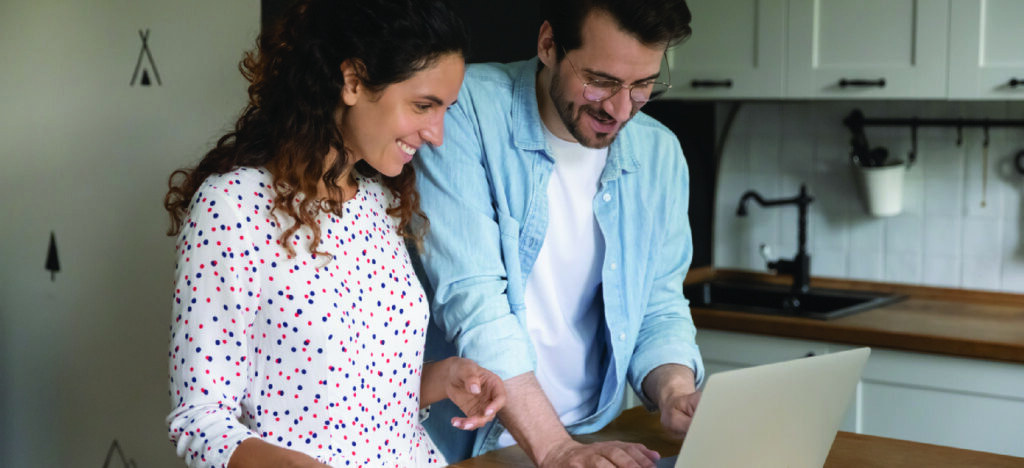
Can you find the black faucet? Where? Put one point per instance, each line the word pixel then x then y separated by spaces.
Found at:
pixel 800 266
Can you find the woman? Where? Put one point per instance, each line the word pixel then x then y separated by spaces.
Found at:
pixel 298 326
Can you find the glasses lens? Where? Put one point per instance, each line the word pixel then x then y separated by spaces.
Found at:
pixel 646 93
pixel 599 90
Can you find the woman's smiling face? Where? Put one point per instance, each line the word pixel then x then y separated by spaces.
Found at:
pixel 386 129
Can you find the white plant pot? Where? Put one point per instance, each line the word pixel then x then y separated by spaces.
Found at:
pixel 881 188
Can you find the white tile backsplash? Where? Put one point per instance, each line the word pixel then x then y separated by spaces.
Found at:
pixel 943 196
pixel 983 237
pixel 832 263
pixel 1013 277
pixel 943 237
pixel 865 265
pixel 904 233
pixel 942 270
pixel 867 236
pixel 903 267
pixel 982 272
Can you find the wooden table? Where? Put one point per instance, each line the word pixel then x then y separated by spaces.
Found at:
pixel 848 451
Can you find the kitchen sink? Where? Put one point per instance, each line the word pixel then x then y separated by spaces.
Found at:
pixel 773 299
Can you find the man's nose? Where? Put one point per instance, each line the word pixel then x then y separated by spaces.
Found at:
pixel 619 105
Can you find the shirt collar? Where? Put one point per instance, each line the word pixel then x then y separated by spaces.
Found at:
pixel 526 122
pixel 528 133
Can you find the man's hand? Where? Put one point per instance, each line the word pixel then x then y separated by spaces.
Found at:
pixel 677 412
pixel 614 454
pixel 478 392
pixel 672 388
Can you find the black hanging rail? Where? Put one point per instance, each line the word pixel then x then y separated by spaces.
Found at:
pixel 856 123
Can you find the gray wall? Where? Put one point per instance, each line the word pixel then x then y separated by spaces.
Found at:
pixel 944 237
pixel 86 155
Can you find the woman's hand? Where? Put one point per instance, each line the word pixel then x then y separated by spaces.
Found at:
pixel 478 392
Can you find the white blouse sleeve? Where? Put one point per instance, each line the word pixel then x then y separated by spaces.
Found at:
pixel 217 290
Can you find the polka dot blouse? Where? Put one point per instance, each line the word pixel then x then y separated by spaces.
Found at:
pixel 318 356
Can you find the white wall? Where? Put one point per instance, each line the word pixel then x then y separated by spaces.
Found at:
pixel 944 237
pixel 84 154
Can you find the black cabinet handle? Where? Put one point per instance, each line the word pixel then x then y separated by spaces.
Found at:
pixel 1014 82
pixel 880 83
pixel 711 84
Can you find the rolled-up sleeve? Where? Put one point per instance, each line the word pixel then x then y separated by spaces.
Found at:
pixel 465 251
pixel 667 333
pixel 216 292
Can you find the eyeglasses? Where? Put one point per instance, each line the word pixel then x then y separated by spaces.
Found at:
pixel 640 93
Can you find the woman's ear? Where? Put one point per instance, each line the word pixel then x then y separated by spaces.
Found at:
pixel 351 70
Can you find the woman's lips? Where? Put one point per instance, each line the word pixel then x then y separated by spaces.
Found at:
pixel 407 150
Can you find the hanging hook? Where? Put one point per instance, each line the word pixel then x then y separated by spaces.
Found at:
pixel 985 142
pixel 959 132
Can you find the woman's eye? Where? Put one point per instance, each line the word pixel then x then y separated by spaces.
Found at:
pixel 422 107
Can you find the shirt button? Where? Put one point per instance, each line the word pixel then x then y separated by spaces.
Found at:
pixel 622 337
pixel 607 197
pixel 614 266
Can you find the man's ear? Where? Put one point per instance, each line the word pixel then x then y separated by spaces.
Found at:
pixel 547 50
pixel 351 71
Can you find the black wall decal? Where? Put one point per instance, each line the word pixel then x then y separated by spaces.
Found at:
pixel 139 65
pixel 116 448
pixel 52 262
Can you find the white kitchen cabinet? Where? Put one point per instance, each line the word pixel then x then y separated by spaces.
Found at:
pixel 986 55
pixel 967 403
pixel 737 51
pixel 875 49
pixel 724 351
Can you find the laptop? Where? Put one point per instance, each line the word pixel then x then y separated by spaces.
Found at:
pixel 778 415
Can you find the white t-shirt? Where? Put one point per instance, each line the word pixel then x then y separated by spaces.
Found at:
pixel 563 308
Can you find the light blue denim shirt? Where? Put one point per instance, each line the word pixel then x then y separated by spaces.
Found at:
pixel 485 193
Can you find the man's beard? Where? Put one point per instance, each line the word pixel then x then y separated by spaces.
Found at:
pixel 571 116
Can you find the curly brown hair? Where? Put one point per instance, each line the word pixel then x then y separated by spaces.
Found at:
pixel 295 83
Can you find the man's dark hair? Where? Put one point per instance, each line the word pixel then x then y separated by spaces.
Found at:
pixel 650 21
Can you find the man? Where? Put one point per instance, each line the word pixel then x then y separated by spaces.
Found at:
pixel 559 240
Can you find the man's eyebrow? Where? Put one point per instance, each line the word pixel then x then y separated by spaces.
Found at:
pixel 606 76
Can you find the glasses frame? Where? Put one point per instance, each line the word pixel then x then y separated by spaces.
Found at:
pixel 620 85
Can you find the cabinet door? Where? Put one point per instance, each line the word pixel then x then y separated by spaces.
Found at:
pixel 986 56
pixel 722 350
pixel 868 49
pixel 967 403
pixel 737 50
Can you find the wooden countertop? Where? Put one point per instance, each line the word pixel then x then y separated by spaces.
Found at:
pixel 848 450
pixel 954 322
